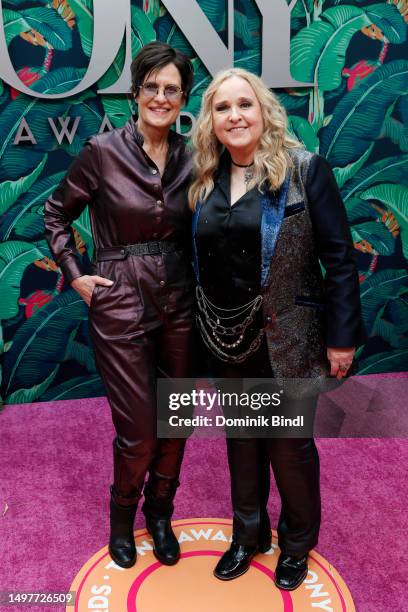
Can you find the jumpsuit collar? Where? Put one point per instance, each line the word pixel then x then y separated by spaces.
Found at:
pixel 173 138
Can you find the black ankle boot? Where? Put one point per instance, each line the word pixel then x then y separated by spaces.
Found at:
pixel 235 561
pixel 165 545
pixel 290 572
pixel 122 546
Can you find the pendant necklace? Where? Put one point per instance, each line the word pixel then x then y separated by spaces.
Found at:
pixel 249 173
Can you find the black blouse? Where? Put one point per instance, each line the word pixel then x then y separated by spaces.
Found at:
pixel 229 243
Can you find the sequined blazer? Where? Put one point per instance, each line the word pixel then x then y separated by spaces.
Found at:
pixel 304 311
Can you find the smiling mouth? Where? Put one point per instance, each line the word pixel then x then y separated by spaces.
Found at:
pixel 160 110
pixel 237 129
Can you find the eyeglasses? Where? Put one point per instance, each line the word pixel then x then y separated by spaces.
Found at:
pixel 171 92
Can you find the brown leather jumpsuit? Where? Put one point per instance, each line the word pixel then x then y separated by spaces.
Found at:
pixel 140 326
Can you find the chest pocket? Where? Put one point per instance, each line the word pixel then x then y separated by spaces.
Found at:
pixel 293 209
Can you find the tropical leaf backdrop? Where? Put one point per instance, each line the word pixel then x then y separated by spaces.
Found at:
pixel 357 117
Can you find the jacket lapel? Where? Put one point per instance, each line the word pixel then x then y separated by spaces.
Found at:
pixel 273 208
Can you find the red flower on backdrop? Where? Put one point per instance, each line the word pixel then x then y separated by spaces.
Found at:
pixel 35 301
pixel 358 72
pixel 28 77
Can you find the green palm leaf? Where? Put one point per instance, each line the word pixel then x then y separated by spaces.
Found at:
pixel 358 118
pixel 397 132
pixel 345 174
pixel 378 289
pixel 25 396
pixel 41 342
pixel 295 100
pixel 50 25
pixel 34 197
pixel 202 77
pixel 211 8
pixel 389 20
pixel 76 388
pixel 301 8
pixel 83 225
pixel 242 30
pixel 376 234
pixel 44 20
pixel 168 31
pixel 82 354
pixel 83 10
pixel 248 59
pixel 10 191
pixel 358 210
pixel 59 81
pixel 30 227
pixel 395 197
pixel 303 131
pixel 118 108
pixel 391 333
pixel 390 169
pixel 318 52
pixel 399 312
pixel 388 361
pixel 14 258
pixel 154 9
pixel 142 27
pixel 14 24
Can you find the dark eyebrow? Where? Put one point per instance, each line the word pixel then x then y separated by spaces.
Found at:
pixel 166 85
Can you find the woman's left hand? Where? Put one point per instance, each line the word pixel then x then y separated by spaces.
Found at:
pixel 340 361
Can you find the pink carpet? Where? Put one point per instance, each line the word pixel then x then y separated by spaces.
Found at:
pixel 56 467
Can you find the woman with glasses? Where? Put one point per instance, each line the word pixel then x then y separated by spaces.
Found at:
pixel 134 180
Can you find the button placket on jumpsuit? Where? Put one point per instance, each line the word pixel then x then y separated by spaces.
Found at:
pixel 141 325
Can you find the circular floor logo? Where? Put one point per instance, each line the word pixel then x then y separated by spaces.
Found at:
pixel 190 585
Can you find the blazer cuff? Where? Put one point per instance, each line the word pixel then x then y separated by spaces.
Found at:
pixel 346 339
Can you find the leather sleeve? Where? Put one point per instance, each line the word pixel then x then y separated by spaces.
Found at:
pixel 76 190
pixel 337 254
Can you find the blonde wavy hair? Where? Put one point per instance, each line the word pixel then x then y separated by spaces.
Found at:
pixel 271 159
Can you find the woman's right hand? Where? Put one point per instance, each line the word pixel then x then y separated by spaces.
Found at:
pixel 85 285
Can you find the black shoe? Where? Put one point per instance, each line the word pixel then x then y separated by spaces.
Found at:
pixel 165 545
pixel 290 572
pixel 235 561
pixel 122 547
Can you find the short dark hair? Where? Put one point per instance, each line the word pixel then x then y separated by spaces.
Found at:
pixel 155 56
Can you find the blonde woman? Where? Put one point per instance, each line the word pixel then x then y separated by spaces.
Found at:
pixel 265 212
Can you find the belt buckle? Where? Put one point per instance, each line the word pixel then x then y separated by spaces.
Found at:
pixel 153 248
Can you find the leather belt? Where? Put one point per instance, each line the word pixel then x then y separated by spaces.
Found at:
pixel 141 248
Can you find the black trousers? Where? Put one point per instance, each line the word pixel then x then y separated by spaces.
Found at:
pixel 295 465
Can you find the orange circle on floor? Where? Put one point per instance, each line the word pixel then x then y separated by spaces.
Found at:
pixel 190 585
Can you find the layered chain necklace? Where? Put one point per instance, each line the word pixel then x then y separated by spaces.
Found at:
pixel 223 329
